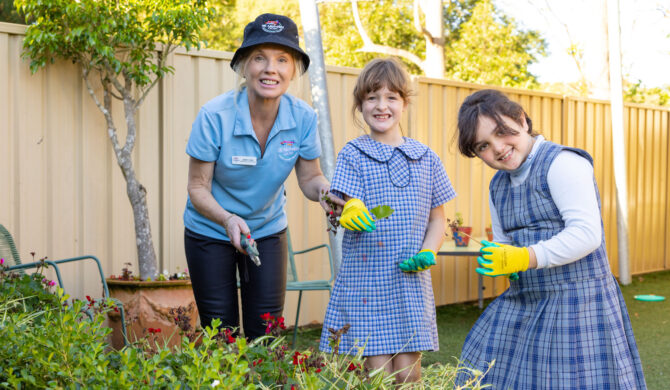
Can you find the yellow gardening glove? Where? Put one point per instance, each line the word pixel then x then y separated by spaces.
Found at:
pixel 355 216
pixel 419 262
pixel 500 259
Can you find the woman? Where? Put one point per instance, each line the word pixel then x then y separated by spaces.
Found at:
pixel 242 147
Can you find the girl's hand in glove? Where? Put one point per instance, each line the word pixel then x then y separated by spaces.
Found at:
pixel 419 262
pixel 500 259
pixel 355 216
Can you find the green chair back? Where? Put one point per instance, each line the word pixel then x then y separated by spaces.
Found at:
pixel 8 250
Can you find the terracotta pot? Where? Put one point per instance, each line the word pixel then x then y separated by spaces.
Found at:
pixel 147 305
pixel 489 234
pixel 462 239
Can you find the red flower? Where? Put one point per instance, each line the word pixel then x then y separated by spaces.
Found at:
pixel 280 323
pixel 318 370
pixel 351 367
pixel 297 358
pixel 229 336
pixel 266 317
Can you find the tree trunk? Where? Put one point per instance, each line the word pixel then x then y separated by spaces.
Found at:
pixel 146 254
pixel 434 63
pixel 137 194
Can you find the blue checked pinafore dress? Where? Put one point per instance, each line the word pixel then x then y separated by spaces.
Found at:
pixel 388 311
pixel 565 327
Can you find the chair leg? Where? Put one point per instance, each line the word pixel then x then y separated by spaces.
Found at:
pixel 297 315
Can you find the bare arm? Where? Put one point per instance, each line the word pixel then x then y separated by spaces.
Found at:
pixel 435 231
pixel 200 175
pixel 313 183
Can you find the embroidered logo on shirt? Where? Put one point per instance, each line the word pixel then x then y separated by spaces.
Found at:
pixel 287 150
pixel 272 26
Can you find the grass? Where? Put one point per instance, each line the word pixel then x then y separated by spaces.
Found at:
pixel 650 320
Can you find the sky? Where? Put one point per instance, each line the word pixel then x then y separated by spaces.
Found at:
pixel 645 40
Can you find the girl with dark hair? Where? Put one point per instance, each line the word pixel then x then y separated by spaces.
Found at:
pixel 563 324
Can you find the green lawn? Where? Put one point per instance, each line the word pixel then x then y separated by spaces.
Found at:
pixel 651 324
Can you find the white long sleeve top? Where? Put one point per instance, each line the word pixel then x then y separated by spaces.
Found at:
pixel 570 180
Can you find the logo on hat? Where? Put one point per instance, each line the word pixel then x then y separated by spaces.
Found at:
pixel 272 26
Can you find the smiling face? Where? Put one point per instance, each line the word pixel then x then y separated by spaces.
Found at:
pixel 268 71
pixel 501 148
pixel 382 111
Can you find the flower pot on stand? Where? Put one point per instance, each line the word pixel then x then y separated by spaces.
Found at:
pixel 150 308
pixel 489 234
pixel 459 238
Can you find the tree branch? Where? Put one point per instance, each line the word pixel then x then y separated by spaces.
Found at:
pixel 422 29
pixel 370 47
pixel 111 129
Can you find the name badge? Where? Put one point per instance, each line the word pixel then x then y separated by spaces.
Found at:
pixel 244 160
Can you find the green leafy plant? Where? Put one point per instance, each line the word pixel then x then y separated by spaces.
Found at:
pixel 123 46
pixel 62 343
pixel 382 211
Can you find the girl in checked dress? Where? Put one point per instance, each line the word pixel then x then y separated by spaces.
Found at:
pixel 563 324
pixel 383 290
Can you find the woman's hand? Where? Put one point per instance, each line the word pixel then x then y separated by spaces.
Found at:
pixel 235 226
pixel 331 203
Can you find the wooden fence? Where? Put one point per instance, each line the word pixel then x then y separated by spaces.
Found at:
pixel 62 193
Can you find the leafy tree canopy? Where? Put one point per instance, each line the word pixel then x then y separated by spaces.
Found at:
pixel 390 23
pixel 9 14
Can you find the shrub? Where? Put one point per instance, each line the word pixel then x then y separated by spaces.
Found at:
pixel 49 341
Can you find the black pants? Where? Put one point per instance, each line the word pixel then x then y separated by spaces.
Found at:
pixel 212 265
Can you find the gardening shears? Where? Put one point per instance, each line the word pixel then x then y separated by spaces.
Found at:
pixel 251 249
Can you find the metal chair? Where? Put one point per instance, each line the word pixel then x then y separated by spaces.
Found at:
pixel 294 284
pixel 8 250
pixel 10 254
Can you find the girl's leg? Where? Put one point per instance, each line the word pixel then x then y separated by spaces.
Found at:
pixel 374 362
pixel 407 367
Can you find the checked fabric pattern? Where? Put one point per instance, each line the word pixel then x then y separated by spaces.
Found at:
pixel 388 310
pixel 565 327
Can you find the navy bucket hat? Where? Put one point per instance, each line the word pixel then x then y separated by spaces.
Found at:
pixel 270 28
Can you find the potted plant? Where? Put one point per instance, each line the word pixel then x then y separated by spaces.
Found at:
pixel 489 233
pixel 124 45
pixel 461 234
pixel 164 308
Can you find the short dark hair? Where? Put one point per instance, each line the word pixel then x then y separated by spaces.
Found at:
pixel 492 104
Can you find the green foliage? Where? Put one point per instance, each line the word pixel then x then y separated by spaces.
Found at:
pixel 638 93
pixel 58 345
pixel 491 50
pixel 382 211
pixel 115 37
pixel 481 43
pixel 9 14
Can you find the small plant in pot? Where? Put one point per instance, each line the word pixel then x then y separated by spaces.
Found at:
pixel 489 233
pixel 461 234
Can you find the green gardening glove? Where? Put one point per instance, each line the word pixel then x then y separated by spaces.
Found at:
pixel 500 259
pixel 419 262
pixel 355 216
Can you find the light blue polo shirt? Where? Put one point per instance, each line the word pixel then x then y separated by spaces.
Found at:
pixel 244 182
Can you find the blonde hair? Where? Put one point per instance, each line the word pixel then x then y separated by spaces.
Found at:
pixel 245 56
pixel 377 74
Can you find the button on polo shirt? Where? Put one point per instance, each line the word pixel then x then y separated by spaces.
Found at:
pixel 245 182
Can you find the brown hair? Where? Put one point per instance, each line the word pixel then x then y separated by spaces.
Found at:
pixel 493 104
pixel 380 73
